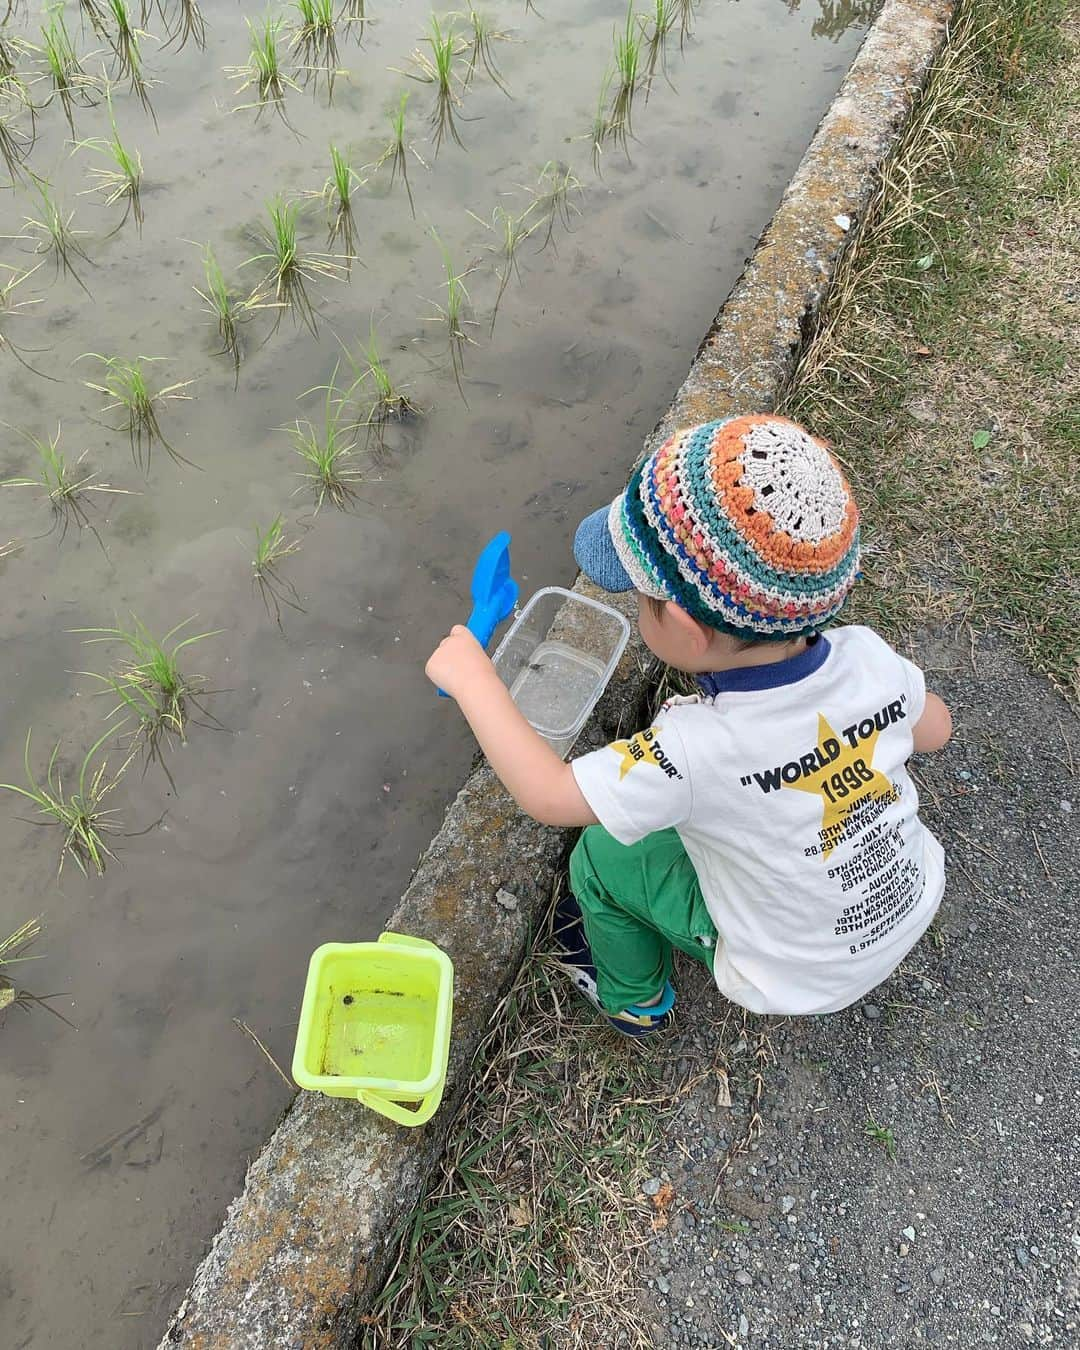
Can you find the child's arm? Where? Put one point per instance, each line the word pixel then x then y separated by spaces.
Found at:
pixel 934 727
pixel 534 775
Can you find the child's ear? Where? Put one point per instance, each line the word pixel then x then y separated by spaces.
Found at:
pixel 693 632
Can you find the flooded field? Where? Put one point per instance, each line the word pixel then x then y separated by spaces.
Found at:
pixel 322 762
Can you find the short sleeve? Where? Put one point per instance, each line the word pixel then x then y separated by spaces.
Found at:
pixel 640 785
pixel 915 681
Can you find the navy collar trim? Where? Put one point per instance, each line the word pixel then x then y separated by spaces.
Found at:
pixel 771 675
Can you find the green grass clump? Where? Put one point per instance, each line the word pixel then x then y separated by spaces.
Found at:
pixel 291 270
pixel 398 150
pixel 263 71
pixel 54 232
pixel 327 450
pixel 554 200
pixel 71 84
pixel 315 41
pixel 154 696
pixel 64 484
pixel 271 550
pixel 229 312
pixel 80 815
pixel 123 182
pixel 438 67
pixel 126 386
pixel 478 44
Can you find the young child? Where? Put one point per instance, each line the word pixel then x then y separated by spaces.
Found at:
pixel 766 826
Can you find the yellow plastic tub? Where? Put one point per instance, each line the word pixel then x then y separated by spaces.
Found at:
pixel 375 1025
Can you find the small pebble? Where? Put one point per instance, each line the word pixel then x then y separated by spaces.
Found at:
pixel 1064 806
pixel 744 1325
pixel 507 899
pixel 787 1204
pixel 652 1186
pixel 743 1277
pixel 1022 1256
pixel 909 1233
pixel 963 775
pixel 937 1275
pixel 871 1012
pixel 902 1287
pixel 663 1284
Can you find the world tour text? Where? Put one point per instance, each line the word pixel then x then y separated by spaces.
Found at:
pixel 829 750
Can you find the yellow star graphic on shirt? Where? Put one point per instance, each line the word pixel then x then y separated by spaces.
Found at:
pixel 843 783
pixel 633 751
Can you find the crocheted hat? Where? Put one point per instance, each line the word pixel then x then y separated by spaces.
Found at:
pixel 747 523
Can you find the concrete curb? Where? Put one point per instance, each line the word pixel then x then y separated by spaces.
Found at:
pixel 306 1245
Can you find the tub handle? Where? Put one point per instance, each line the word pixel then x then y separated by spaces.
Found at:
pixel 400 1114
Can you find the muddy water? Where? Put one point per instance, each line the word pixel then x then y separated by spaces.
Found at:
pixel 300 821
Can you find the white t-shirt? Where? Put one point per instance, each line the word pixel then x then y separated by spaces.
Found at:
pixel 788 786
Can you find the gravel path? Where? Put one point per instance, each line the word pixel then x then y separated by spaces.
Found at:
pixel 961 1227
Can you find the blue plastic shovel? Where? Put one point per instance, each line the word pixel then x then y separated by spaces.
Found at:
pixel 494 591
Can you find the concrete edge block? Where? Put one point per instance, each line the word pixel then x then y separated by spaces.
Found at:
pixel 307 1244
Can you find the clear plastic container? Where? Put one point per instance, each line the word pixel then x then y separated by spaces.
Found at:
pixel 557 658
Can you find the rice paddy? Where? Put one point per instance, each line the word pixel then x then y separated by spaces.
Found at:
pixel 500 374
pixel 126 385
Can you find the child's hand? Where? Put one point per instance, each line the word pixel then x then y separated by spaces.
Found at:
pixel 457 662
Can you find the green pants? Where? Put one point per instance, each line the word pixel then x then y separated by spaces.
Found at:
pixel 638 902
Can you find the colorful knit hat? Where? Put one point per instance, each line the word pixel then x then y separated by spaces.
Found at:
pixel 747 523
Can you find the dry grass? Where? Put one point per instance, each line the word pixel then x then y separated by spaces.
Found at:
pixel 944 359
pixel 533 1231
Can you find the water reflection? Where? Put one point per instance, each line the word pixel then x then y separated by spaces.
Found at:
pixel 837 16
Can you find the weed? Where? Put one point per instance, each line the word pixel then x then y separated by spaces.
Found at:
pixel 126 41
pixel 80 814
pixel 327 450
pixel 71 84
pixel 54 233
pixel 453 313
pixel 336 193
pixel 553 200
pixel 64 483
pixel 151 688
pixel 482 33
pixel 437 68
pixel 123 183
pixel 315 41
pixel 880 1134
pixel 124 384
pixel 271 550
pixel 223 305
pixel 628 74
pixel 289 269
pixel 263 71
pixel 390 403
pixel 398 150
pixel 512 231
pixel 11 308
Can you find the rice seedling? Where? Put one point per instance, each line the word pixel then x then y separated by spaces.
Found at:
pixel 263 71
pixel 92 13
pixel 387 401
pixel 290 270
pixel 398 150
pixel 601 127
pixel 12 953
pixel 482 33
pixel 553 200
pixel 124 383
pixel 18 126
pixel 659 24
pixel 190 25
pixel 71 84
pixel 512 231
pixel 336 194
pixel 12 546
pixel 355 12
pixel 64 484
pixel 123 183
pixel 125 40
pixel 153 693
pixel 54 232
pixel 453 314
pixel 315 41
pixel 229 312
pixel 327 450
pixel 271 550
pixel 11 308
pixel 627 73
pixel 85 823
pixel 686 20
pixel 438 69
